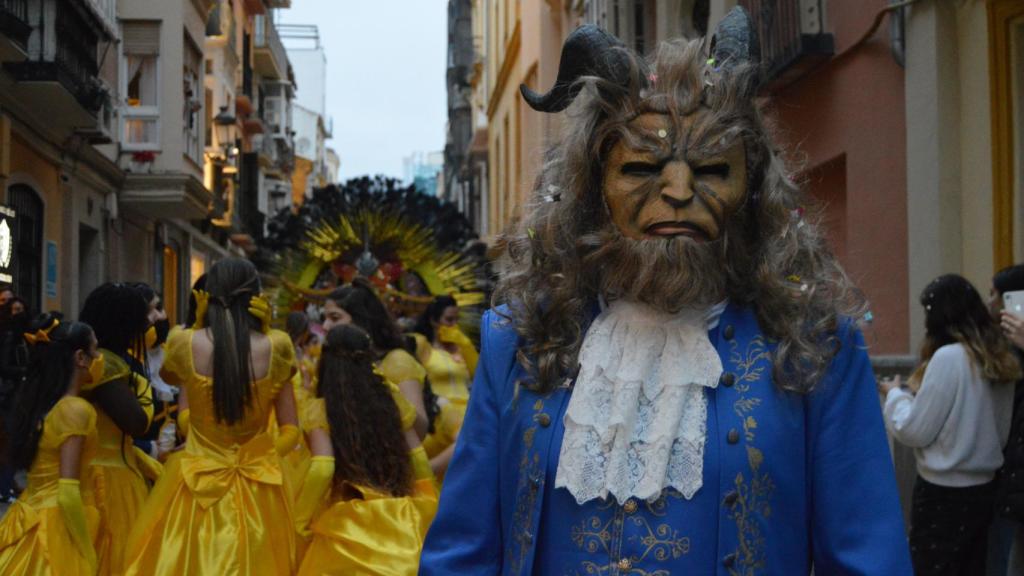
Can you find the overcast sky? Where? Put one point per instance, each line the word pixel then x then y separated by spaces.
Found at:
pixel 386 62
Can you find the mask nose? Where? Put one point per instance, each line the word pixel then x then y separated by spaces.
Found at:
pixel 677 184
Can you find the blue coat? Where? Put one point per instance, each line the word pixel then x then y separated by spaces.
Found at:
pixel 789 480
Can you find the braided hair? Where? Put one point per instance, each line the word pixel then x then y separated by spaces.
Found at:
pixel 51 368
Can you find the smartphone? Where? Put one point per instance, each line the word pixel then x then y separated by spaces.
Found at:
pixel 1013 302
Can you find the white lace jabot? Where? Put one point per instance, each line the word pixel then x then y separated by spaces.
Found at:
pixel 637 418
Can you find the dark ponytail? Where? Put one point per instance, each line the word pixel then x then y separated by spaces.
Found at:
pixel 51 368
pixel 231 283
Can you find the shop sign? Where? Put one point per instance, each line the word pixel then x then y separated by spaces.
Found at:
pixel 7 244
pixel 51 269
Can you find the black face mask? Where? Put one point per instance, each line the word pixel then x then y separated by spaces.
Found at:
pixel 19 322
pixel 163 328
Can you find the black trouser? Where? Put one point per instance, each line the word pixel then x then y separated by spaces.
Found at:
pixel 949 528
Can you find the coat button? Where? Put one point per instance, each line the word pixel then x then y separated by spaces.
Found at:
pixel 729 332
pixel 733 437
pixel 729 560
pixel 625 564
pixel 730 498
pixel 544 420
pixel 727 379
pixel 629 506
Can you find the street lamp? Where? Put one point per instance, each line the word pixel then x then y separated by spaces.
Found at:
pixel 225 124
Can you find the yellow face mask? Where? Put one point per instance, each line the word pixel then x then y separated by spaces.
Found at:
pixel 96 369
pixel 448 334
pixel 150 337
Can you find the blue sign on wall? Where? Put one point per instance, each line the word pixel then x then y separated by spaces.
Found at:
pixel 51 269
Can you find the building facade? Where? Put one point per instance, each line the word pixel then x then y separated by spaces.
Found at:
pixel 58 154
pixel 108 140
pixel 315 165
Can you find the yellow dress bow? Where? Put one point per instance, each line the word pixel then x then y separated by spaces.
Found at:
pixel 209 476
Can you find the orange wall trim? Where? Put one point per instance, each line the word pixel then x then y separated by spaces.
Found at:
pixel 1001 13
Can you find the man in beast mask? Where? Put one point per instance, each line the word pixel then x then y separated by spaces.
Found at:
pixel 674 384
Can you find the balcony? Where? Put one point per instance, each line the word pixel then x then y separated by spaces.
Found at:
pixel 14 30
pixel 61 73
pixel 793 40
pixel 270 58
pixel 171 195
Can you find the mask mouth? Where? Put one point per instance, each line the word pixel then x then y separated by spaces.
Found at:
pixel 673 229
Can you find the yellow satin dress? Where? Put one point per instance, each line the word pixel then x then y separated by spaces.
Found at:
pixel 120 483
pixel 450 380
pixel 373 534
pixel 296 462
pixel 222 505
pixel 33 538
pixel 399 366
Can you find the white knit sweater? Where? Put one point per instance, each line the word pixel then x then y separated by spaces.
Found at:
pixel 957 423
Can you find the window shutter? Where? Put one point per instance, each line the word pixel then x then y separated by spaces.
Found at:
pixel 141 38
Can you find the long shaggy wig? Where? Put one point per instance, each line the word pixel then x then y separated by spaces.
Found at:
pixel 772 255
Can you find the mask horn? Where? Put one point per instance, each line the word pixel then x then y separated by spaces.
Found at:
pixel 735 41
pixel 588 51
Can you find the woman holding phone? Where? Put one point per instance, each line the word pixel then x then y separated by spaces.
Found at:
pixel 955 412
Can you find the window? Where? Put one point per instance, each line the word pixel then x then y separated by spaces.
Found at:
pixel 28 268
pixel 170 281
pixel 193 101
pixel 141 42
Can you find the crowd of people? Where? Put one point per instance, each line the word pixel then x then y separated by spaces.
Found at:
pixel 962 411
pixel 223 445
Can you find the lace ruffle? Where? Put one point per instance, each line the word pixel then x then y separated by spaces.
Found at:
pixel 637 419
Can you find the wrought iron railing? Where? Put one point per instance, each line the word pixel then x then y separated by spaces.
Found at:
pixel 14 21
pixel 265 37
pixel 15 8
pixel 77 57
pixel 788 30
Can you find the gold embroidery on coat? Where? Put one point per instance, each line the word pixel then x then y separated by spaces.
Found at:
pixel 657 543
pixel 530 484
pixel 753 494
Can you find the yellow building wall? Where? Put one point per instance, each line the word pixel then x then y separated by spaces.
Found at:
pixel 300 175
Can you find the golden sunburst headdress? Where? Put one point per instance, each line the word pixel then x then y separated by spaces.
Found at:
pixel 412 246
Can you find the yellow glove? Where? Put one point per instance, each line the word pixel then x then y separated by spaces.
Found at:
pixel 260 308
pixel 318 480
pixel 69 500
pixel 452 335
pixel 149 467
pixel 421 469
pixel 287 439
pixel 406 411
pixel 202 303
pixel 183 422
pixel 144 392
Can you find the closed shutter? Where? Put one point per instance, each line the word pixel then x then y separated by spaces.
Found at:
pixel 141 37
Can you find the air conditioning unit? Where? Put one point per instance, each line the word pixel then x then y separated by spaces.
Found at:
pixel 106 124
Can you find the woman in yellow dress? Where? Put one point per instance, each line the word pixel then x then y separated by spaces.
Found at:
pixel 358 304
pixel 450 359
pixel 370 506
pixel 51 527
pixel 222 505
pixel 120 316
